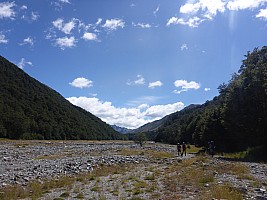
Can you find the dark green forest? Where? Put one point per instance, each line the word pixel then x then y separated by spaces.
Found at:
pixel 235 120
pixel 32 110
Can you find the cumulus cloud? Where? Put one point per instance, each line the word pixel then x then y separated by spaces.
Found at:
pixel 28 41
pixel 99 20
pixel 6 10
pixel 89 36
pixel 207 89
pixel 185 86
pixel 193 13
pixel 125 117
pixel 139 81
pixel 160 111
pixel 191 22
pixel 172 20
pixel 66 42
pixel 262 14
pixel 81 82
pixel 113 24
pixel 155 84
pixel 65 27
pixel 241 4
pixel 23 63
pixel 184 47
pixel 3 39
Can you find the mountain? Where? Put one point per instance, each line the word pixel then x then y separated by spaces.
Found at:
pixel 150 127
pixel 155 125
pixel 121 129
pixel 32 110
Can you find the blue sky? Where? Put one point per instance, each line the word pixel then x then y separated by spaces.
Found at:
pixel 131 62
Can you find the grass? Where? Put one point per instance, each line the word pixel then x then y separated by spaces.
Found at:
pixel 255 154
pixel 142 152
pixel 193 149
pixel 222 192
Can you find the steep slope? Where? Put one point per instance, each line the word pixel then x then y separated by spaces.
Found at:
pixel 30 109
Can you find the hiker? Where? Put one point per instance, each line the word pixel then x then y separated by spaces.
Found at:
pixel 183 149
pixel 179 149
pixel 211 148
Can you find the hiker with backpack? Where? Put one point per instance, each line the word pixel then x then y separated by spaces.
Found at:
pixel 183 149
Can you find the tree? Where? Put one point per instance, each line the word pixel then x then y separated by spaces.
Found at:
pixel 140 138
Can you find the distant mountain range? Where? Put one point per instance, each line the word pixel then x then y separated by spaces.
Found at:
pixel 32 110
pixel 121 129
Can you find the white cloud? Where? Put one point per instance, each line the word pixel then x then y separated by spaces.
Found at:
pixel 113 24
pixel 184 47
pixel 81 83
pixel 34 16
pixel 207 89
pixel 65 27
pixel 262 14
pixel 3 39
pixel 209 7
pixel 198 11
pixel 172 20
pixel 244 4
pixel 89 36
pixel 28 40
pixel 23 63
pixel 23 7
pixel 142 25
pixel 155 84
pixel 64 1
pixel 140 80
pixel 6 10
pixel 185 85
pixel 66 42
pixel 99 20
pixel 59 4
pixel 156 11
pixel 191 22
pixel 190 8
pixel 160 111
pixel 125 117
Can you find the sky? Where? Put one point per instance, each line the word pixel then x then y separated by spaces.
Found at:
pixel 131 62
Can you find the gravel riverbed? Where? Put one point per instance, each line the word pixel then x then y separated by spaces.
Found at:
pixel 24 161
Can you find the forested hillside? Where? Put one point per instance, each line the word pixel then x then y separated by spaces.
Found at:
pixel 235 120
pixel 31 110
